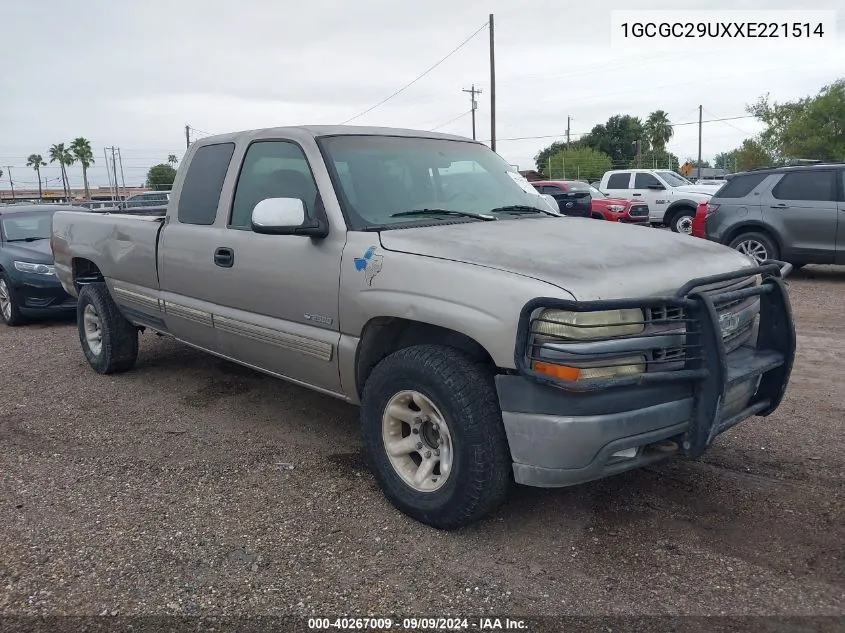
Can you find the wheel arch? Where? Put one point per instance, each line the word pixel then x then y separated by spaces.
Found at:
pixel 753 226
pixel 85 271
pixel 382 336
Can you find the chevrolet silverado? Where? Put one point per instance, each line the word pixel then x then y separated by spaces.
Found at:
pixel 487 339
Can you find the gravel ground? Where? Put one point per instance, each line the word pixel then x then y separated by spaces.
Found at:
pixel 192 486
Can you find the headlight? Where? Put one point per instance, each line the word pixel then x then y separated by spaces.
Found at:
pixel 616 208
pixel 554 325
pixel 559 328
pixel 38 269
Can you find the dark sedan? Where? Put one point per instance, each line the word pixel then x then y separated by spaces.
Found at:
pixel 28 284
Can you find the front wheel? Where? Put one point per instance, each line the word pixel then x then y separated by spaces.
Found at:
pixel 109 341
pixel 757 246
pixel 9 309
pixel 682 222
pixel 433 433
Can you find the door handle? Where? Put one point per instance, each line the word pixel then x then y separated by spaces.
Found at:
pixel 224 257
pixel 636 194
pixel 779 206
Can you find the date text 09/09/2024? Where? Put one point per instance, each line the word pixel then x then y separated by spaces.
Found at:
pixel 719 30
pixel 418 624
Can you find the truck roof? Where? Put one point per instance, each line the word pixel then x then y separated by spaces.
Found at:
pixel 316 131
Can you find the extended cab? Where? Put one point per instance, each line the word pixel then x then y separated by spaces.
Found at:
pixel 671 198
pixel 486 338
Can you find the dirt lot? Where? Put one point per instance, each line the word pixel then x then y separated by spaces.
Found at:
pixel 168 490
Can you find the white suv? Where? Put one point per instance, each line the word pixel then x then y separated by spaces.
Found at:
pixel 670 197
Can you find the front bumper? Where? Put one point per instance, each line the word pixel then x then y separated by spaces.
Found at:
pixel 563 433
pixel 42 296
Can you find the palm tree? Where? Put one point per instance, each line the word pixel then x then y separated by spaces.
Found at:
pixel 658 130
pixel 172 160
pixel 60 154
pixel 37 162
pixel 81 150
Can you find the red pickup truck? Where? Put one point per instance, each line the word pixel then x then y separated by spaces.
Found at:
pixel 602 207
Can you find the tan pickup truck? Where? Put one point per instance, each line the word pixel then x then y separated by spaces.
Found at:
pixel 487 339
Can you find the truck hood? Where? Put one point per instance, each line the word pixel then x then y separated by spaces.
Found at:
pixel 708 190
pixel 587 258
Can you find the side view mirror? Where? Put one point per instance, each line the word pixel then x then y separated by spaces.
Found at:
pixel 551 202
pixel 285 216
pixel 656 186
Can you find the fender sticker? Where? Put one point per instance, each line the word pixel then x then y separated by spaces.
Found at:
pixel 370 264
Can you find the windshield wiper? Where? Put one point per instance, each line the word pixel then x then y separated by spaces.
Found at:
pixel 466 214
pixel 523 208
pixel 28 239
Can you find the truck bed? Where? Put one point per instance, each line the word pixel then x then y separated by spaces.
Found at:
pixel 120 245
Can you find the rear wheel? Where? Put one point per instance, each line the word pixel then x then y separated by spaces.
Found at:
pixel 9 308
pixel 109 341
pixel 434 436
pixel 757 246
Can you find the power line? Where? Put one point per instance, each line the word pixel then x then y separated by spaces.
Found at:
pixel 460 116
pixel 563 134
pixel 418 77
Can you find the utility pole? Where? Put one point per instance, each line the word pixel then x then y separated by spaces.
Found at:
pixel 568 119
pixel 698 172
pixel 122 179
pixel 114 169
pixel 492 86
pixel 9 172
pixel 108 174
pixel 474 105
pixel 187 135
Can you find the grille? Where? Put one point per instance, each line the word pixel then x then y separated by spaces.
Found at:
pixel 665 314
pixel 638 212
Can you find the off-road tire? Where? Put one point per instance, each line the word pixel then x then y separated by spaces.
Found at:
pixel 464 392
pixel 119 349
pixel 15 317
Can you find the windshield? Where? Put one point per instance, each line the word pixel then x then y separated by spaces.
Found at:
pixel 672 179
pixel 31 226
pixel 381 176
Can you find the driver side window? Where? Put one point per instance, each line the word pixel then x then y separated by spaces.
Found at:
pixel 272 169
pixel 644 181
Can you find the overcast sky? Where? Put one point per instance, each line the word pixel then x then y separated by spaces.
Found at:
pixel 132 73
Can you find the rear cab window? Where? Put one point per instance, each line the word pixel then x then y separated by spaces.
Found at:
pixel 200 194
pixel 740 186
pixel 619 181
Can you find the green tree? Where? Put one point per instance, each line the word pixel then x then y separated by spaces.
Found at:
pixel 36 161
pixel 658 130
pixel 653 159
pixel 172 160
pixel 62 155
pixel 578 163
pixel 161 176
pixel 726 160
pixel 542 157
pixel 81 150
pixel 617 138
pixel 812 127
pixel 752 154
